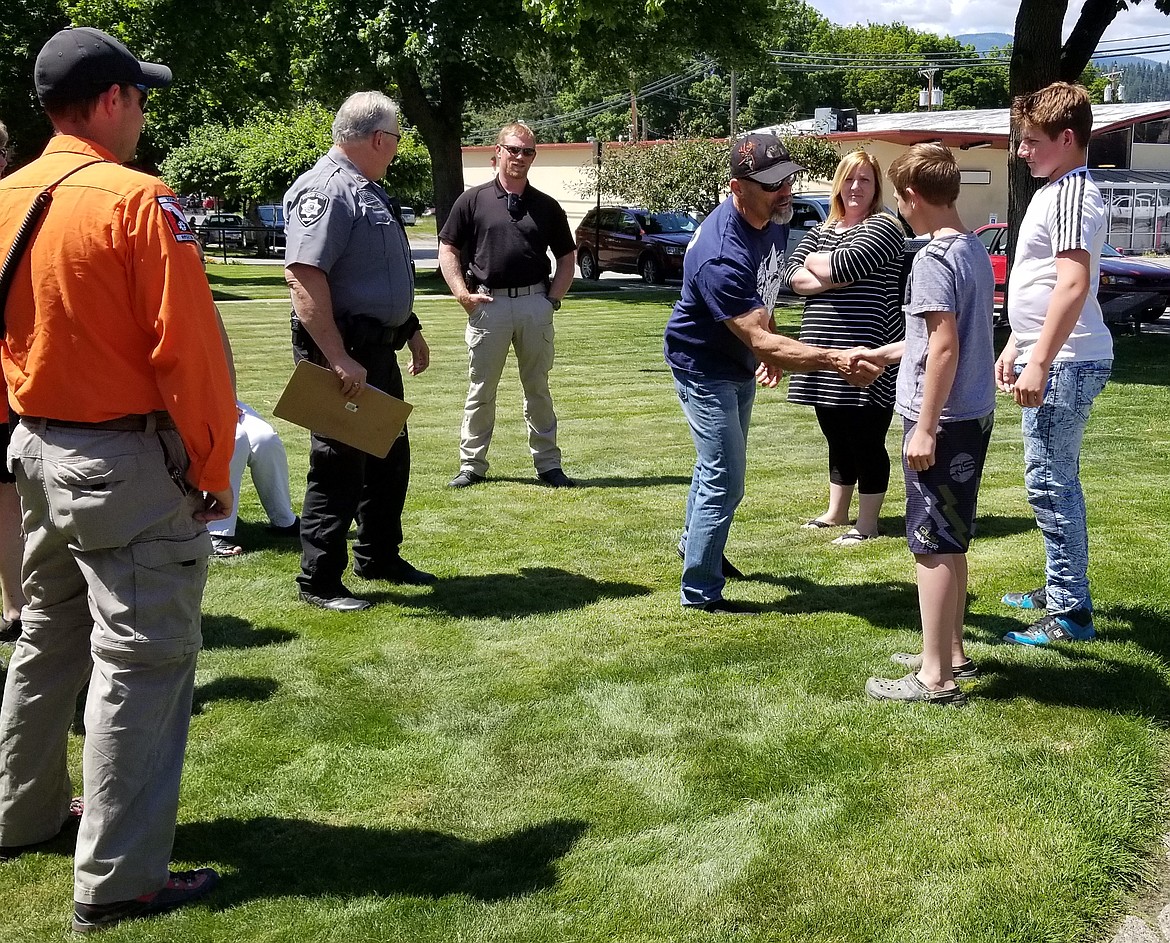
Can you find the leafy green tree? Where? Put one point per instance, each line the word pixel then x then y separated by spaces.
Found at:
pixel 664 175
pixel 228 58
pixel 256 161
pixel 25 25
pixel 440 55
pixel 983 87
pixel 206 163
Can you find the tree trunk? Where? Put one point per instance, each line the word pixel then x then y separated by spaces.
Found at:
pixel 441 127
pixel 1035 63
pixel 1038 60
pixel 1096 15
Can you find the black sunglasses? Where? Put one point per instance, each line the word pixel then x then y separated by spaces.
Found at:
pixel 778 185
pixel 516 151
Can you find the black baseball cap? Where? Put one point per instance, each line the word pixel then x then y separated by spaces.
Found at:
pixel 762 158
pixel 80 62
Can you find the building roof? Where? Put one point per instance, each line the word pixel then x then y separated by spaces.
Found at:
pixel 988 127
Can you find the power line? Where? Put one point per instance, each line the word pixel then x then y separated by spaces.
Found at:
pixel 610 104
pixel 809 63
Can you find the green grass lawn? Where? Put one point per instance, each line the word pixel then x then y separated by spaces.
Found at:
pixel 545 747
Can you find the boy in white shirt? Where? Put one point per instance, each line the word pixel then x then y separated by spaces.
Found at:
pixel 1060 353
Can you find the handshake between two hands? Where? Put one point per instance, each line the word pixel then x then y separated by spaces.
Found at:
pixel 859 366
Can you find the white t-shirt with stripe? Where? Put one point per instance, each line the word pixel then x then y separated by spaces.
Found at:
pixel 1066 214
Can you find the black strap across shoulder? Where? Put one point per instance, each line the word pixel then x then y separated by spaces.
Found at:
pixel 24 234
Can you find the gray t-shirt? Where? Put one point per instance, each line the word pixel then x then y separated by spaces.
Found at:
pixel 342 224
pixel 951 273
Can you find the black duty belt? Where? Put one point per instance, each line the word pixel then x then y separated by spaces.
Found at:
pixel 538 289
pixel 135 423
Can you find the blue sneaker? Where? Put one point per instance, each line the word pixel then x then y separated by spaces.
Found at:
pixel 1075 626
pixel 1036 599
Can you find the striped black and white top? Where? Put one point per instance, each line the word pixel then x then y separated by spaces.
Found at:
pixel 867 312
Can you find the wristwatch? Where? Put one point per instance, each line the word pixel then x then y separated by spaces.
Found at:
pixel 556 303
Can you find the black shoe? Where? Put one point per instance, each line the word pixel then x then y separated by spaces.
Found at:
pixel 341 601
pixel 397 572
pixel 730 570
pixel 465 479
pixel 184 887
pixel 292 530
pixel 10 631
pixel 724 607
pixel 556 478
pixel 68 831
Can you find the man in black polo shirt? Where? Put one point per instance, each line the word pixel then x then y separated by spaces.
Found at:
pixel 499 234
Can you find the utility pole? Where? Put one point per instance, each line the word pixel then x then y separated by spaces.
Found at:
pixel 1114 90
pixel 929 96
pixel 732 120
pixel 633 116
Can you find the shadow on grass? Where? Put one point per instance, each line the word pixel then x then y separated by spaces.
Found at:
pixel 507 595
pixel 644 481
pixel 296 858
pixel 888 605
pixel 996 525
pixel 233 689
pixel 255 536
pixel 1140 625
pixel 1087 678
pixel 234 632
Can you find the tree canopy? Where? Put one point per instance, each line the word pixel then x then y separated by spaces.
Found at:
pixel 668 175
pixel 256 160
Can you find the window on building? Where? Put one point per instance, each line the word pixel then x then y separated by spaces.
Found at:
pixel 1110 150
pixel 1152 132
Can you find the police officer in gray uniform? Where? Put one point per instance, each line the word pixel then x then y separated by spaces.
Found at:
pixel 348 268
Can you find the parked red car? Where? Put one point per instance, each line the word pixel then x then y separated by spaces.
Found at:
pixel 1147 279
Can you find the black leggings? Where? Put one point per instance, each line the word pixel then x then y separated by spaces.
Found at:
pixel 857 445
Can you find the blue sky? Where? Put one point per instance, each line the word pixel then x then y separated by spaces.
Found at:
pixel 957 17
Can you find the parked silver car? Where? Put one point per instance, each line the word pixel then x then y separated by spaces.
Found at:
pixel 222 229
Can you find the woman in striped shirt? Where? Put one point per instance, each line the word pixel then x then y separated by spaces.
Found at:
pixel 848 268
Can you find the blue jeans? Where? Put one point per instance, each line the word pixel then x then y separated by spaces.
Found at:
pixel 718 412
pixel 1052 475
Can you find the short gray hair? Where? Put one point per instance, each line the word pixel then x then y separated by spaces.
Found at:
pixel 3 135
pixel 362 114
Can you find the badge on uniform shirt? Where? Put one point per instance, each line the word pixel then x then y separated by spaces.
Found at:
pixel 176 219
pixel 311 207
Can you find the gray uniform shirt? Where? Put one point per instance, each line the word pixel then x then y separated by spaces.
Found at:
pixel 342 224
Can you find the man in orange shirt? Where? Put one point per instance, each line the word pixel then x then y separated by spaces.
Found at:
pixel 113 361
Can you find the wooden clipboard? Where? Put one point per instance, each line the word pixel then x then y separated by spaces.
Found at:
pixel 371 421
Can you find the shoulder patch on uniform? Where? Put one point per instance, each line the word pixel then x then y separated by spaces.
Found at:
pixel 311 206
pixel 176 219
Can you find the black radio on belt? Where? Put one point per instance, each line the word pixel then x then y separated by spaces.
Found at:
pixel 362 331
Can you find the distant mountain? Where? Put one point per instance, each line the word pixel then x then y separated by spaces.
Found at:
pixel 985 42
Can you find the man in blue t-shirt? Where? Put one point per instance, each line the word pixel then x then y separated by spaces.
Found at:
pixel 720 331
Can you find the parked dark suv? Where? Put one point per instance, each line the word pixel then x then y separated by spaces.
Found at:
pixel 628 239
